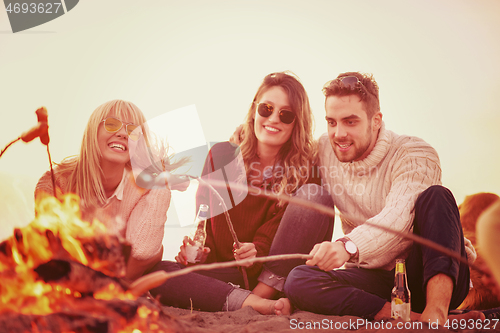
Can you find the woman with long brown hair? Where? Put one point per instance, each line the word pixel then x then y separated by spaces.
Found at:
pixel 277 155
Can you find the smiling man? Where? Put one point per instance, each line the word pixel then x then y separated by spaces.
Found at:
pixel 375 175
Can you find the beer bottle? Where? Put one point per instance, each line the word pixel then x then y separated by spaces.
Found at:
pixel 193 251
pixel 400 296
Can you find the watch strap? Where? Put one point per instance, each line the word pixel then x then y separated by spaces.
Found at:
pixel 352 252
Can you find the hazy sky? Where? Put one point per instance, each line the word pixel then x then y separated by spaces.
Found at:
pixel 436 62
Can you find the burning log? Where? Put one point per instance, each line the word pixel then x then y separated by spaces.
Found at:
pixel 58 233
pixel 62 274
pixel 79 278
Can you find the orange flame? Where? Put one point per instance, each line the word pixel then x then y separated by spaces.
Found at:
pixel 57 233
pixel 20 290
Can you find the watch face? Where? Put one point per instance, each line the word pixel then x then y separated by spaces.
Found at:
pixel 350 247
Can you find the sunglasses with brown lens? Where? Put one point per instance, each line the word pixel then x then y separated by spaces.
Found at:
pixel 113 125
pixel 266 110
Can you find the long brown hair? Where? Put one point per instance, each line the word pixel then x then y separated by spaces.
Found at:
pixel 296 155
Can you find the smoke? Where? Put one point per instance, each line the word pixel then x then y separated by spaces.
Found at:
pixel 16 203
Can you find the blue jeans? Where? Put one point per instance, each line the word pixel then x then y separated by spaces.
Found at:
pixel 363 292
pixel 214 290
pixel 299 230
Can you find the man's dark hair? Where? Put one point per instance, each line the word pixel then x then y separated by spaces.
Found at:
pixel 366 89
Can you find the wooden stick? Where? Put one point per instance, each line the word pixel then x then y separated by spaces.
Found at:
pixel 152 280
pixel 331 212
pixel 155 279
pixel 10 144
pixel 52 177
pixel 229 224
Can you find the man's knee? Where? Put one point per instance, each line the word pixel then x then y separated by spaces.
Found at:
pixel 315 193
pixel 298 278
pixel 436 192
pixel 434 203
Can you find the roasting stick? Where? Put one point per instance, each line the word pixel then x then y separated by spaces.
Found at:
pixel 143 284
pixel 10 144
pixel 331 212
pixel 41 130
pixel 229 223
pixel 152 280
pixel 42 116
pixel 52 177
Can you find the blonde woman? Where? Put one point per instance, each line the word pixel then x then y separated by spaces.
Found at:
pixel 101 176
pixel 277 153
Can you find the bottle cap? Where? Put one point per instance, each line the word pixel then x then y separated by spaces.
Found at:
pixel 400 266
pixel 203 211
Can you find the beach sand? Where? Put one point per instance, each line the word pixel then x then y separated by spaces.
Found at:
pixel 250 321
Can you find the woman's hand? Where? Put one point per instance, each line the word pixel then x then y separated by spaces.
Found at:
pixel 181 257
pixel 178 183
pixel 246 251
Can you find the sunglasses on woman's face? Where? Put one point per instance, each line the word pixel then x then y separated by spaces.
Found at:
pixel 113 125
pixel 265 110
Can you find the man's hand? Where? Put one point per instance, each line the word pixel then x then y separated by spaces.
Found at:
pixel 246 251
pixel 236 137
pixel 181 257
pixel 328 255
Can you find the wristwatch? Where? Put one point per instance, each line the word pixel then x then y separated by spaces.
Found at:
pixel 349 246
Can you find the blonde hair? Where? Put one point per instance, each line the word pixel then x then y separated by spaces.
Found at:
pixel 298 151
pixel 85 175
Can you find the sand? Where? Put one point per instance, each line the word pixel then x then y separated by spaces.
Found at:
pixel 250 321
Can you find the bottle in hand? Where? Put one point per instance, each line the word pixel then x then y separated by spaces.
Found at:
pixel 400 296
pixel 194 251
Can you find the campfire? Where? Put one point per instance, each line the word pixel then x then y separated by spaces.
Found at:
pixel 62 274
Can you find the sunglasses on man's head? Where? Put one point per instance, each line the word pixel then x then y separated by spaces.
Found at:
pixel 113 125
pixel 350 82
pixel 265 110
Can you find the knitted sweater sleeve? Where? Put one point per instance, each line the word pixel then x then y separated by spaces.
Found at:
pixel 145 225
pixel 416 167
pixel 44 185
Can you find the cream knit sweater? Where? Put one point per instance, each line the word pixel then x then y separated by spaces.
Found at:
pixel 139 217
pixel 382 189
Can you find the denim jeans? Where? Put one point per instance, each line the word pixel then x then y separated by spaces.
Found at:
pixel 212 290
pixel 299 230
pixel 363 292
pixel 216 290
